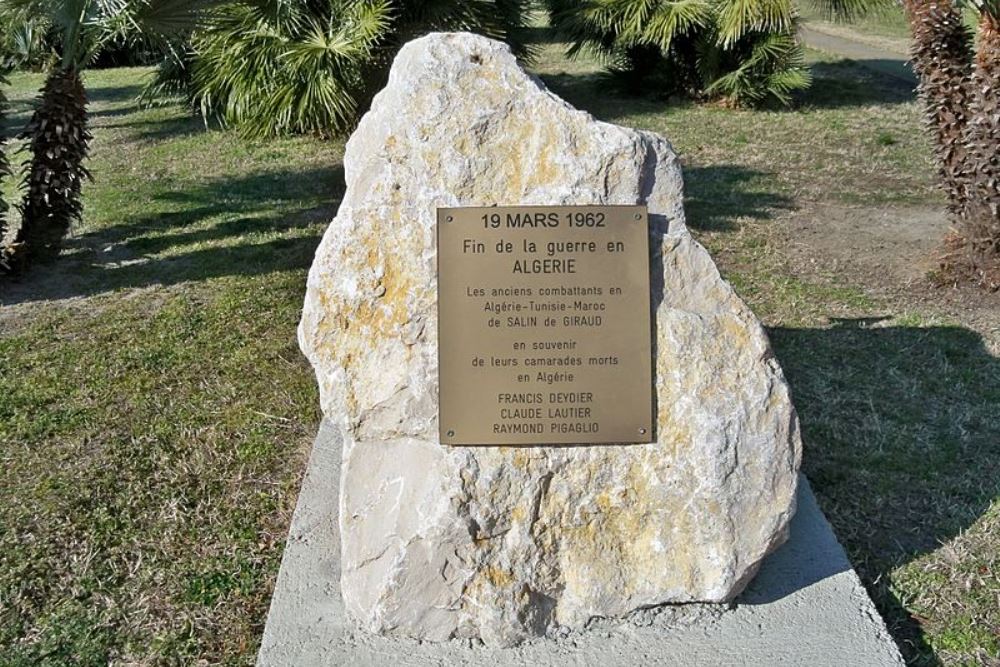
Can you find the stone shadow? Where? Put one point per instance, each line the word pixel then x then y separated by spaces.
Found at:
pixel 902 444
pixel 901 437
pixel 213 230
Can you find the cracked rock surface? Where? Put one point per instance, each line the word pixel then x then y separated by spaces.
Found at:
pixel 502 543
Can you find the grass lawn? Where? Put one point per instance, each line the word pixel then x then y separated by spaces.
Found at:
pixel 155 413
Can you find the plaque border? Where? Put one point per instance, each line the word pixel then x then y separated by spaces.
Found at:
pixel 650 434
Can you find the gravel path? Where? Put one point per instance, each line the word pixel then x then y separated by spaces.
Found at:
pixel 872 57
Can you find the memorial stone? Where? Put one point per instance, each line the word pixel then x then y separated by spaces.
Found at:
pixel 500 536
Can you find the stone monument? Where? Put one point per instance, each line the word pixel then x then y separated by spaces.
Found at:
pixel 503 543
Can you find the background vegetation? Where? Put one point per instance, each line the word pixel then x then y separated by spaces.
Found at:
pixel 740 52
pixel 270 68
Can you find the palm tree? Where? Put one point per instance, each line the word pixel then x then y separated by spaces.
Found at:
pixel 958 83
pixel 4 172
pixel 976 241
pixel 272 67
pixel 57 131
pixel 269 67
pixel 741 51
pixel 57 134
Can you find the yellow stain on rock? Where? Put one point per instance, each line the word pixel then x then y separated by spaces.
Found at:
pixel 518 514
pixel 622 533
pixel 362 325
pixel 497 576
pixel 738 333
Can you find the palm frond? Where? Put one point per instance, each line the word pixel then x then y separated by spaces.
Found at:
pixel 497 19
pixel 987 7
pixel 169 18
pixel 272 70
pixel 672 19
pixel 170 82
pixel 22 38
pixel 768 66
pixel 272 67
pixel 851 10
pixel 744 50
pixel 739 17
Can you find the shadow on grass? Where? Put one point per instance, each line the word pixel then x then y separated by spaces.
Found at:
pixel 604 96
pixel 170 128
pixel 716 196
pixel 214 230
pixel 17 115
pixel 902 440
pixel 160 129
pixel 124 99
pixel 839 84
pixel 537 35
pixel 112 94
pixel 850 83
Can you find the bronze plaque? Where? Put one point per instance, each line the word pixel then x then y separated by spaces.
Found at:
pixel 543 325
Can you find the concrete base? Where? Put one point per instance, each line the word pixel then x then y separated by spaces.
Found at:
pixel 806 607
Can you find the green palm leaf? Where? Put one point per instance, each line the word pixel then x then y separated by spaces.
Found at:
pixel 271 67
pixel 744 50
pixel 850 10
pixel 675 18
pixel 168 18
pixel 738 17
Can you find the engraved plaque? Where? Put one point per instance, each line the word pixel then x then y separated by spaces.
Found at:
pixel 543 325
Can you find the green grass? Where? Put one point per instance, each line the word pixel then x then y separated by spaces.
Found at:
pixel 157 416
pixel 827 148
pixel 155 412
pixel 901 434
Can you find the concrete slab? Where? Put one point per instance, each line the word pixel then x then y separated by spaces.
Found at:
pixel 806 607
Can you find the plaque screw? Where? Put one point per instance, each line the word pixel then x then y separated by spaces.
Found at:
pixel 449 219
pixel 451 434
pixel 642 431
pixel 638 216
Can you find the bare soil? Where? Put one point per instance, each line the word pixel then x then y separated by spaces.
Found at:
pixel 889 252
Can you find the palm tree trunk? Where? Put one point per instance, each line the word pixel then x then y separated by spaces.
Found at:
pixel 59 141
pixel 978 230
pixel 942 59
pixel 4 172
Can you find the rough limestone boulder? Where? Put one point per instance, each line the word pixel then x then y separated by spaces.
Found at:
pixel 503 543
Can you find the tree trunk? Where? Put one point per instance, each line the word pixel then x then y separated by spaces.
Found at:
pixel 942 59
pixel 4 172
pixel 977 231
pixel 58 140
